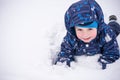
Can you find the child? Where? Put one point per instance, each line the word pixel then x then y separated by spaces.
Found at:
pixel 88 34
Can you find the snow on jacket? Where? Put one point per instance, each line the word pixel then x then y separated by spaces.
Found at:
pixel 105 43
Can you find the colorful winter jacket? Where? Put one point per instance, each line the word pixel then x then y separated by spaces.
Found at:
pixel 115 27
pixel 105 43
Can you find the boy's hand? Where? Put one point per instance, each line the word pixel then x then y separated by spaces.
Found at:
pixel 62 60
pixel 103 63
pixel 104 66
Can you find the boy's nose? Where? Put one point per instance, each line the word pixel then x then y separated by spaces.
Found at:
pixel 85 35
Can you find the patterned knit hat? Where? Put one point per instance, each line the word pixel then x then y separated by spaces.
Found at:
pixel 82 13
pixel 88 25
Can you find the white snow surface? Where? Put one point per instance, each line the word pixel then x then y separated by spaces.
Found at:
pixel 31 32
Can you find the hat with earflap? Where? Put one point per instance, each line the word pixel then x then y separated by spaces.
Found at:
pixel 93 24
pixel 84 13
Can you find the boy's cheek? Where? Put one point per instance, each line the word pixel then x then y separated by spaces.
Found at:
pixel 94 35
pixel 79 36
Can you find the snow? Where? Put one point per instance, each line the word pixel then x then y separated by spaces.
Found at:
pixel 30 34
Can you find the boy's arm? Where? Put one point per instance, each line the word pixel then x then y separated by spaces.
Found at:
pixel 67 52
pixel 110 50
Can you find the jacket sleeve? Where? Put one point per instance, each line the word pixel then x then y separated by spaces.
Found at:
pixel 110 49
pixel 67 50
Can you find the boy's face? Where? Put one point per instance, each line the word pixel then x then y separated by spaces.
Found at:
pixel 86 34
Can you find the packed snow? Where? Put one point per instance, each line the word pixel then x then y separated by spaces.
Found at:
pixel 31 32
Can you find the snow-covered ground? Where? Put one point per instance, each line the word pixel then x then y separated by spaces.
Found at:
pixel 32 30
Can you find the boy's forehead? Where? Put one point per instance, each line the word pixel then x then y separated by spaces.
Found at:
pixel 77 27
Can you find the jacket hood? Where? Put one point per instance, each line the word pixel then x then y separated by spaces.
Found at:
pixel 81 12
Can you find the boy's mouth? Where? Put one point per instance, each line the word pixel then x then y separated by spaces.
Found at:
pixel 87 38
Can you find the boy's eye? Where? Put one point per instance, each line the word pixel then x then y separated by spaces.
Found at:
pixel 90 29
pixel 79 29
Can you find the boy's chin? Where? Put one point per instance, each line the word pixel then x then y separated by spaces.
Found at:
pixel 87 41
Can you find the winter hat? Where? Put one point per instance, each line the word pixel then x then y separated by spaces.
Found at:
pixel 82 12
pixel 93 24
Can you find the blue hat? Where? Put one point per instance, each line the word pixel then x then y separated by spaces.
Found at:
pixel 93 24
pixel 82 12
